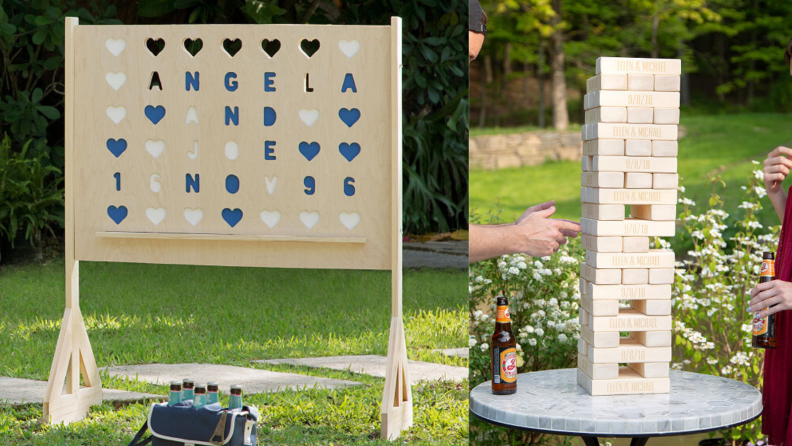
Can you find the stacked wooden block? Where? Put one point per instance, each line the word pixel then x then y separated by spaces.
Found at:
pixel 629 165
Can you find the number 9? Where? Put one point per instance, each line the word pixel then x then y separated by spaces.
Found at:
pixel 310 185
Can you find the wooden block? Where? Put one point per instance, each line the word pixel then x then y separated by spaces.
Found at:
pixel 667 82
pixel 627 292
pixel 663 212
pixel 600 307
pixel 628 196
pixel 638 147
pixel 628 351
pixel 582 347
pixel 661 276
pixel 652 338
pixel 628 227
pixel 583 286
pixel 655 258
pixel 664 116
pixel 608 339
pixel 635 244
pixel 640 82
pixel 665 148
pixel 586 163
pixel 601 244
pixel 598 371
pixel 603 211
pixel 632 131
pixel 627 65
pixel 606 179
pixel 607 147
pixel 583 318
pixel 634 163
pixel 636 180
pixel 629 320
pixel 635 276
pixel 606 82
pixel 640 115
pixel 651 307
pixel 651 99
pixel 665 181
pixel 650 369
pixel 601 276
pixel 584 132
pixel 606 114
pixel 628 383
pixel 586 100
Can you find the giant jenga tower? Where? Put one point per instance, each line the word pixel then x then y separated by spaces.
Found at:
pixel 629 166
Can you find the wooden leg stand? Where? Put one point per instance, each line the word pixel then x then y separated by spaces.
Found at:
pixel 397 397
pixel 73 357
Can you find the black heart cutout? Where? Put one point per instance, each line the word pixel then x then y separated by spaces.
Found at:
pixel 193 46
pixel 232 46
pixel 270 46
pixel 309 47
pixel 155 45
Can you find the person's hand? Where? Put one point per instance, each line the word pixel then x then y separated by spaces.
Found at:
pixel 538 235
pixel 776 293
pixel 776 168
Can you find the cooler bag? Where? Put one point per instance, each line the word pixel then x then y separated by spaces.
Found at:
pixel 211 425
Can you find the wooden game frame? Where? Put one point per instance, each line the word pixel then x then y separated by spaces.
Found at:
pixel 376 246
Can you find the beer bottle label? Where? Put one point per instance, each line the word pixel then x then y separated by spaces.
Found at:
pixel 496 376
pixel 508 365
pixel 503 314
pixel 759 325
pixel 768 268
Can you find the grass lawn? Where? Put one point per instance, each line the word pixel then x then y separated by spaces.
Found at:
pixel 173 314
pixel 722 144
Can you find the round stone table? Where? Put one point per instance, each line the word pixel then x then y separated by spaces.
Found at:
pixel 552 402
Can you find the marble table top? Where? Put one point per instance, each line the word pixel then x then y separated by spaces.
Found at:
pixel 551 401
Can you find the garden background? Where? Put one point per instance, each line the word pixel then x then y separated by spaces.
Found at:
pixel 138 314
pixel 736 100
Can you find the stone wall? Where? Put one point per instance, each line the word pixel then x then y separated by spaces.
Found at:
pixel 523 149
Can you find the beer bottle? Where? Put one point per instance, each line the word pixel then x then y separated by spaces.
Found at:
pixel 235 402
pixel 200 396
pixel 174 397
pixel 188 389
pixel 212 395
pixel 504 352
pixel 764 328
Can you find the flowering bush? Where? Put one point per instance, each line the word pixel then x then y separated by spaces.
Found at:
pixel 710 296
pixel 712 291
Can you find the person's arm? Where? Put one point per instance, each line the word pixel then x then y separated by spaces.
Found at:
pixel 534 233
pixel 776 168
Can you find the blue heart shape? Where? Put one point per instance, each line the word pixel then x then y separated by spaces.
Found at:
pixel 232 217
pixel 309 150
pixel 116 147
pixel 117 214
pixel 350 117
pixel 350 151
pixel 155 114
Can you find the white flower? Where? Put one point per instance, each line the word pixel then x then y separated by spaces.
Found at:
pixel 711 360
pixel 740 358
pixel 539 332
pixel 537 276
pixel 726 370
pixel 514 270
pixel 747 328
pixel 472 342
pixel 760 191
pixel 532 341
pixel 522 265
pixel 758 174
pixel 484 347
pixel 562 337
pixel 528 329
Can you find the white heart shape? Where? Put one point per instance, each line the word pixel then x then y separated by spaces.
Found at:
pixel 117 114
pixel 271 184
pixel 116 80
pixel 231 150
pixel 309 117
pixel 193 216
pixel 155 215
pixel 270 218
pixel 155 148
pixel 309 219
pixel 349 220
pixel 155 184
pixel 349 47
pixel 115 46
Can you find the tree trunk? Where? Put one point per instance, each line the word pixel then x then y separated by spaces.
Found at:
pixel 560 113
pixel 540 77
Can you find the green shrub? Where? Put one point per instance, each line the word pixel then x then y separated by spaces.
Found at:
pixel 32 195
